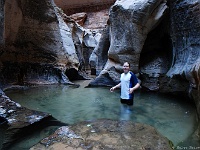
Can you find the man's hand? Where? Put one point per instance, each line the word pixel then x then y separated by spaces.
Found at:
pixel 134 88
pixel 112 89
pixel 131 90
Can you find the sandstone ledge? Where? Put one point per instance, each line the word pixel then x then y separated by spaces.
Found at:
pixel 19 121
pixel 105 134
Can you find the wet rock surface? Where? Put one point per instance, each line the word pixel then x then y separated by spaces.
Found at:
pixel 20 120
pixel 105 134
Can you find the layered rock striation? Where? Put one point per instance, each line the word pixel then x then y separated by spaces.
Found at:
pixel 129 24
pixel 74 6
pixel 1 23
pixel 185 30
pixel 38 44
pixel 158 40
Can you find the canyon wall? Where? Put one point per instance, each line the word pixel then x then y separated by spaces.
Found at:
pixel 74 6
pixel 38 43
pixel 185 31
pixel 160 41
pixel 129 24
pixel 77 3
pixel 1 22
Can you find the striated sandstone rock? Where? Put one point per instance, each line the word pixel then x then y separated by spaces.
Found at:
pixel 129 24
pixel 39 30
pixel 99 55
pixel 166 55
pixel 186 41
pixel 85 40
pixel 79 18
pixel 36 35
pixel 97 20
pixel 1 22
pixel 105 134
pixel 40 48
pixel 156 56
pixel 186 44
pixel 74 6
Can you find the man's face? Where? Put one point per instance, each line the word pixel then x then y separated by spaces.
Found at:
pixel 126 67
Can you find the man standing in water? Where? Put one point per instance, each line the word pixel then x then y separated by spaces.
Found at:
pixel 128 84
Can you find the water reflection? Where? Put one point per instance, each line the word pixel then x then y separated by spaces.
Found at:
pixel 126 112
pixel 172 117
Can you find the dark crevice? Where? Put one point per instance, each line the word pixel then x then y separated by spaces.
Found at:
pixel 158 42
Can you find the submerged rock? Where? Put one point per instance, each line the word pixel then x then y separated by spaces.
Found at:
pixel 105 134
pixel 20 120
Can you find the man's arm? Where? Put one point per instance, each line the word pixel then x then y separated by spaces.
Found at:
pixel 114 87
pixel 134 88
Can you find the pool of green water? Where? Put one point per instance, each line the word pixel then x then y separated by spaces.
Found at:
pixel 173 117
